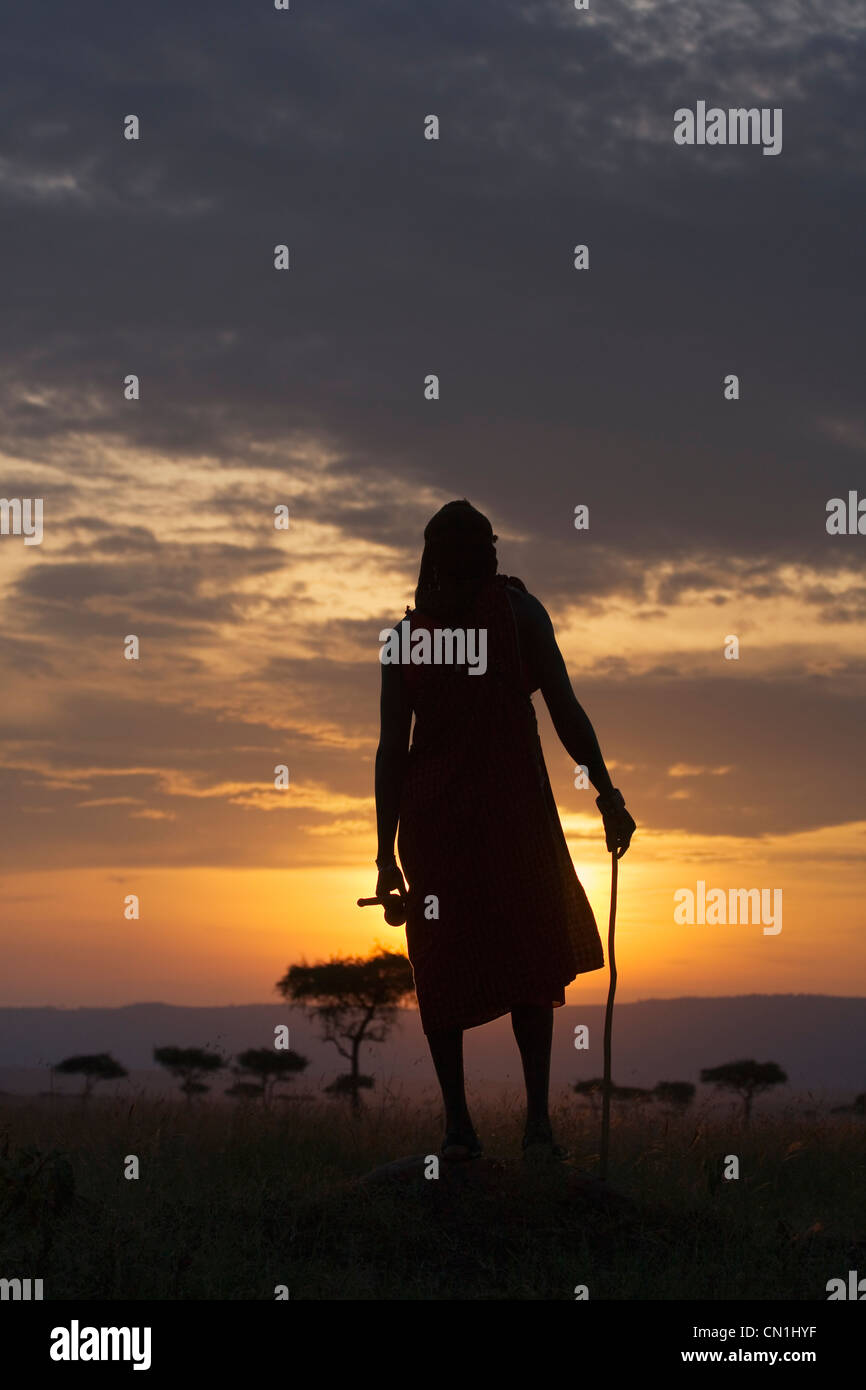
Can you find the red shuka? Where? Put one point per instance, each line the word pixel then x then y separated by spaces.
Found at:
pixel 479 832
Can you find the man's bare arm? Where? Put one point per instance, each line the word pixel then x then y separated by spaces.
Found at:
pixel 570 720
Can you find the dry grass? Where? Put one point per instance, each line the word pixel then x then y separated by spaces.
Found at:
pixel 232 1201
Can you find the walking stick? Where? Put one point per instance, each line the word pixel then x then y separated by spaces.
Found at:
pixel 608 1021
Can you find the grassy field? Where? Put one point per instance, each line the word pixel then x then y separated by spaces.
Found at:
pixel 232 1201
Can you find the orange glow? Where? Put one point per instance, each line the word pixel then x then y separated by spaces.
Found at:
pixel 212 936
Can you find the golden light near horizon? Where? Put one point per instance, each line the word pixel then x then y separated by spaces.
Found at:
pixel 221 936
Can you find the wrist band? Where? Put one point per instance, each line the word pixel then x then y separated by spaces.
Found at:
pixel 613 801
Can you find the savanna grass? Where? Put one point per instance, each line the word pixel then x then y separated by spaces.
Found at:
pixel 233 1200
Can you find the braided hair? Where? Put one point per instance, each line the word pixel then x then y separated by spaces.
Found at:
pixel 459 558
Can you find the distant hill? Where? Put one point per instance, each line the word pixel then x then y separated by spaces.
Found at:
pixel 817 1039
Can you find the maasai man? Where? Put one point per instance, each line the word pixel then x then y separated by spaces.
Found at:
pixel 497 920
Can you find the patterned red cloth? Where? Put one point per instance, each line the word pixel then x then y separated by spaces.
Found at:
pixel 479 831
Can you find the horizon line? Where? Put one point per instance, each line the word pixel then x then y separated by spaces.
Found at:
pixel 270 1004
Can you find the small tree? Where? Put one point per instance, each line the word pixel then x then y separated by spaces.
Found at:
pixel 632 1094
pixel 355 1000
pixel 348 1085
pixel 678 1094
pixel 746 1078
pixel 245 1090
pixel 858 1108
pixel 594 1090
pixel 188 1065
pixel 99 1066
pixel 270 1067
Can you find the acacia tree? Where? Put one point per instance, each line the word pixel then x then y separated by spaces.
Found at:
pixel 356 1000
pixel 633 1094
pixel 98 1066
pixel 594 1089
pixel 347 1085
pixel 245 1090
pixel 678 1094
pixel 858 1108
pixel 188 1065
pixel 591 1089
pixel 269 1067
pixel 746 1079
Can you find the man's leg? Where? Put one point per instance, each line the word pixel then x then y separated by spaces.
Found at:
pixel 446 1049
pixel 533 1029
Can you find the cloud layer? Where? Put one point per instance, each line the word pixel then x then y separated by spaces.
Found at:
pixel 305 388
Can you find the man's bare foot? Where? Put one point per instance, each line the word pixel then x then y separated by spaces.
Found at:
pixel 460 1145
pixel 538 1142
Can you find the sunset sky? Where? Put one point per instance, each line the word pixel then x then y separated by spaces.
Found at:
pixel 306 388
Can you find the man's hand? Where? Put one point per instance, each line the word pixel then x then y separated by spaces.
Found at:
pixel 391 880
pixel 619 826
